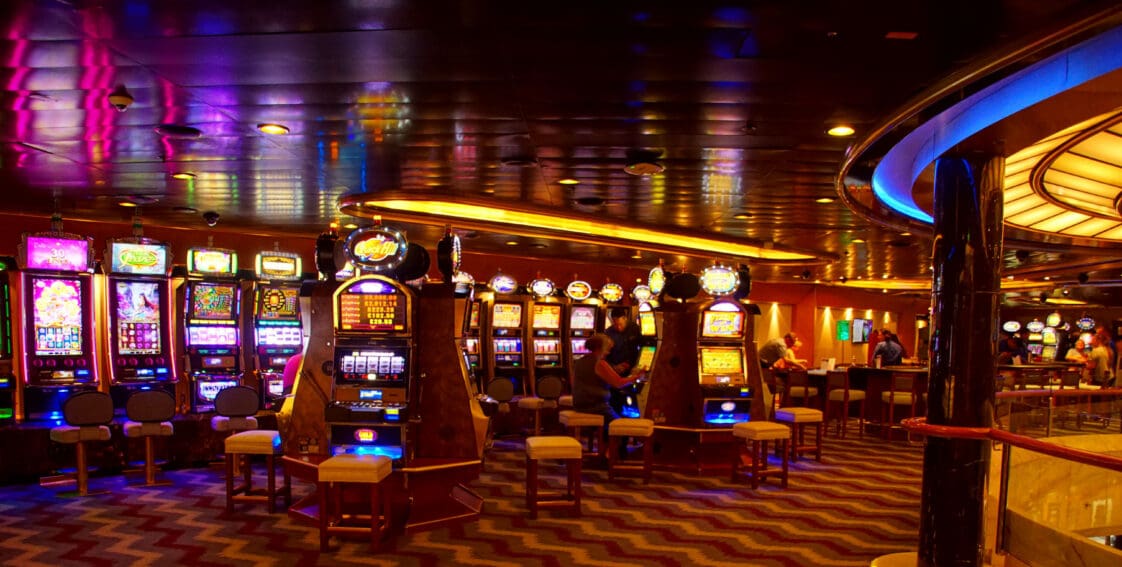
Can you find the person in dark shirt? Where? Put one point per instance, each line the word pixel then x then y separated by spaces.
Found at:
pixel 1010 348
pixel 624 353
pixel 890 351
pixel 593 376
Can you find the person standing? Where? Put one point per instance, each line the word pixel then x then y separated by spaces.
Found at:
pixel 1101 372
pixel 624 353
pixel 890 351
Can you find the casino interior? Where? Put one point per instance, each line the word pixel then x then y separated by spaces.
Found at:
pixel 297 282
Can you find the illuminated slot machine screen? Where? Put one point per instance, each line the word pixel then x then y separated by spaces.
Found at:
pixel 582 318
pixel 471 346
pixel 473 320
pixel 546 317
pixel 1048 352
pixel 212 335
pixel 506 315
pixel 212 302
pixel 722 324
pixel 722 365
pixel 1048 336
pixel 375 366
pixel 57 316
pixel 1036 349
pixel 578 347
pixel 1036 337
pixel 138 317
pixel 373 305
pixel 647 324
pixel 646 357
pixel 278 303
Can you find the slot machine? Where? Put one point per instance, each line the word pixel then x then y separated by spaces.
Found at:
pixel 507 329
pixel 1035 339
pixel 585 313
pixel 60 346
pixel 139 322
pixel 372 368
pixel 472 309
pixel 278 332
pixel 648 348
pixel 545 331
pixel 1050 336
pixel 7 376
pixel 212 307
pixel 722 367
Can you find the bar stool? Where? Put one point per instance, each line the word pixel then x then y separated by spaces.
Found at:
pixel 245 444
pixel 561 448
pixel 548 390
pixel 902 391
pixel 631 427
pixel 905 559
pixel 341 470
pixel 840 394
pixel 87 415
pixel 756 435
pixel 150 413
pixel 798 388
pixel 573 421
pixel 799 418
pixel 565 401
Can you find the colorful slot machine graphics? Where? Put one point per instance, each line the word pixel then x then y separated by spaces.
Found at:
pixel 611 292
pixel 719 280
pixel 138 317
pixel 57 313
pixel 57 254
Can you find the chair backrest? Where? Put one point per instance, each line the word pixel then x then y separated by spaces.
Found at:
pixel 797 378
pixel 903 382
pixel 150 406
pixel 1070 378
pixel 237 401
pixel 1033 378
pixel 550 387
pixel 88 408
pixel 501 389
pixel 837 380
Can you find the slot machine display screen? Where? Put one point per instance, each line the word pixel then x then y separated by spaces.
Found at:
pixel 722 324
pixel 1048 352
pixel 506 315
pixel 138 317
pixel 582 318
pixel 372 305
pixel 547 317
pixel 646 357
pixel 212 335
pixel 722 362
pixel 578 346
pixel 647 324
pixel 277 303
pixel 862 329
pixel 473 320
pixel 57 313
pixel 140 259
pixel 212 302
pixel 381 366
pixel 1048 336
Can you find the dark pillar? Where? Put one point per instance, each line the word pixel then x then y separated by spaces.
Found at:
pixel 967 277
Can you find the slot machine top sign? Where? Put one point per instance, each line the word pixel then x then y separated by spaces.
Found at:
pixel 718 280
pixel 611 292
pixel 1011 326
pixel 542 287
pixel 578 290
pixel 279 266
pixel 502 283
pixel 1085 324
pixel 212 262
pixel 656 280
pixel 1035 326
pixel 376 248
pixel 56 253
pixel 139 258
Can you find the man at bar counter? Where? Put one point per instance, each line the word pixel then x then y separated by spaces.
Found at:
pixel 779 354
pixel 890 351
pixel 1100 363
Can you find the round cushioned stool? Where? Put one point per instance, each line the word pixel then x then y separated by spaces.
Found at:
pixel 561 448
pixel 340 470
pixel 906 559
pixel 757 434
pixel 244 444
pixel 573 421
pixel 800 418
pixel 150 413
pixel 631 427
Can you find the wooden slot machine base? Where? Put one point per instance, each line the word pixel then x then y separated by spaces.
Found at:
pixel 692 449
pixel 428 494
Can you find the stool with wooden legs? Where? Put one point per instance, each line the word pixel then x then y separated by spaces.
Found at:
pixel 757 434
pixel 87 415
pixel 346 469
pixel 621 429
pixel 245 445
pixel 150 413
pixel 839 395
pixel 575 421
pixel 561 448
pixel 799 419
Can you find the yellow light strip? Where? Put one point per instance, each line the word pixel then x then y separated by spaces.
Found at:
pixel 595 230
pixel 925 284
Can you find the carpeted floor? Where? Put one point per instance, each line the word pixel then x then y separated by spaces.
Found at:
pixel 861 502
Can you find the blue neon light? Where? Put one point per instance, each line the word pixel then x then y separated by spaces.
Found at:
pixel 896 174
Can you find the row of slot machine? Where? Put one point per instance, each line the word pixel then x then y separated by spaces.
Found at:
pixel 67 329
pixel 1045 340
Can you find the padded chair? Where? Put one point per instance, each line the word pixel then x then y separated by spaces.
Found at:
pixel 235 407
pixel 839 395
pixel 1033 379
pixel 904 391
pixel 798 389
pixel 150 413
pixel 87 415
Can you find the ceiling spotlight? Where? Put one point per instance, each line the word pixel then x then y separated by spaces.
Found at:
pixel 350 225
pixel 1065 292
pixel 824 200
pixel 568 181
pixel 841 131
pixel 843 279
pixel 637 255
pixel 120 98
pixel 858 240
pixel 742 216
pixel 273 129
pixel 644 168
pixel 184 175
pixel 127 204
pixel 1047 278
pixel 511 243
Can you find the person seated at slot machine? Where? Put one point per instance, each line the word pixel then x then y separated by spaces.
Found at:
pixel 890 351
pixel 593 377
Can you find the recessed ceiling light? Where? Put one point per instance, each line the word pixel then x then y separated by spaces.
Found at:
pixel 488 191
pixel 350 225
pixel 824 200
pixel 273 129
pixel 905 234
pixel 1009 277
pixel 742 216
pixel 539 245
pixel 568 181
pixel 841 130
pixel 858 240
pixel 190 210
pixel 183 175
pixel 511 243
pixel 127 204
pixel 637 255
pixel 1047 278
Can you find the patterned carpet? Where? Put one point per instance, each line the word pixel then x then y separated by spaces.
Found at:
pixel 861 502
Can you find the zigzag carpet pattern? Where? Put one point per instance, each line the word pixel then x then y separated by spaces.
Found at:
pixel 861 502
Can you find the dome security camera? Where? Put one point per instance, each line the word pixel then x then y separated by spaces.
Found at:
pixel 211 218
pixel 120 98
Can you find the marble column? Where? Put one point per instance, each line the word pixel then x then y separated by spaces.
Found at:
pixel 964 298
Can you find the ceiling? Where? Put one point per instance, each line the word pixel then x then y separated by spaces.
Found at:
pixel 492 102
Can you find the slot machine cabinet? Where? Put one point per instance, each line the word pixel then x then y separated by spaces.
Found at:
pixel 278 332
pixel 1035 338
pixel 7 376
pixel 649 323
pixel 140 355
pixel 585 318
pixel 506 324
pixel 546 332
pixel 211 316
pixel 57 323
pixel 470 339
pixel 723 363
pixel 372 368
